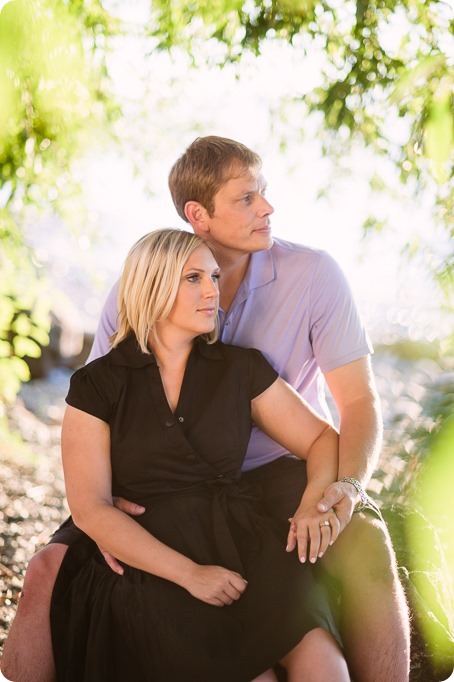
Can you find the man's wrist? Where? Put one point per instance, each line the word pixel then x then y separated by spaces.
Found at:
pixel 360 490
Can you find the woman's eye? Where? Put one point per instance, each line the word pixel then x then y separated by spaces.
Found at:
pixel 192 278
pixel 216 277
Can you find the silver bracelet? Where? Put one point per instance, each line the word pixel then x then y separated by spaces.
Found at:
pixel 362 493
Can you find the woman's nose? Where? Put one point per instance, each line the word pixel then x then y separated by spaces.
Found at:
pixel 211 289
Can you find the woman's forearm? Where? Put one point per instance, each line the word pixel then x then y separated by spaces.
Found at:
pixel 88 480
pixel 307 521
pixel 129 542
pixel 322 465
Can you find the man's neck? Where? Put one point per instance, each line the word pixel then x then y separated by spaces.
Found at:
pixel 233 271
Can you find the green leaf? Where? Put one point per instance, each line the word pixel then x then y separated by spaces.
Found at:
pixel 416 77
pixel 24 347
pixel 5 349
pixel 439 136
pixel 22 325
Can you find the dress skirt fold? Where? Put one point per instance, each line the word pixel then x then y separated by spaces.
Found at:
pixel 144 628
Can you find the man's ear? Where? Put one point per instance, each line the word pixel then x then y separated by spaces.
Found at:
pixel 198 216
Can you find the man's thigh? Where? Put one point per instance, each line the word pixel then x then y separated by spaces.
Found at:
pixel 66 534
pixel 363 546
pixel 282 484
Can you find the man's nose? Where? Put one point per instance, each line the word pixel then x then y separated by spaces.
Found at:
pixel 265 207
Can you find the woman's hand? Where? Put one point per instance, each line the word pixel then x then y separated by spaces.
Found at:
pixel 313 532
pixel 214 585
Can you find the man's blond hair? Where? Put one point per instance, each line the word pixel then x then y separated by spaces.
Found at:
pixel 207 164
pixel 149 284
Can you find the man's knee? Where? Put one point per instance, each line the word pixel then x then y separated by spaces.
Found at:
pixel 42 570
pixel 364 549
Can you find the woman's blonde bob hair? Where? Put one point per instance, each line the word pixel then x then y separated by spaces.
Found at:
pixel 149 284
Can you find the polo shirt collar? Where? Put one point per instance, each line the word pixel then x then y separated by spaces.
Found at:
pixel 261 270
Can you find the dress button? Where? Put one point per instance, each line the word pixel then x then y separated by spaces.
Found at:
pixel 170 422
pixel 191 458
pixel 181 419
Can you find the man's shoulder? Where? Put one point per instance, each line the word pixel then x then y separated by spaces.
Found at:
pixel 292 257
pixel 292 250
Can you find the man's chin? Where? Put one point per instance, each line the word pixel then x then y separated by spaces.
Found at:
pixel 263 241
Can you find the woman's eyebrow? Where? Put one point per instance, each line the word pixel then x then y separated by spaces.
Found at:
pixel 201 270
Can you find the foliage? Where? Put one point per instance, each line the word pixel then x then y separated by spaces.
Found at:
pixel 413 486
pixel 53 90
pixel 386 81
pixel 433 496
pixel 425 404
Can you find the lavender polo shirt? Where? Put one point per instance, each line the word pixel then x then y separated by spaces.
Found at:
pixel 294 305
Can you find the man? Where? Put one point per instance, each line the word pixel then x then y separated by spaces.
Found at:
pixel 294 304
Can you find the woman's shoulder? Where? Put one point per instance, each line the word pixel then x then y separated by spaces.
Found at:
pixel 101 372
pixel 245 359
pixel 227 350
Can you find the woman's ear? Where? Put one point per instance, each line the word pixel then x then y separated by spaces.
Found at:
pixel 198 216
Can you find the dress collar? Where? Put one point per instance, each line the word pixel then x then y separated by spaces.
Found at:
pixel 129 354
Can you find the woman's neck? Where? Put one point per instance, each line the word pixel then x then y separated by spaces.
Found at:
pixel 172 358
pixel 170 352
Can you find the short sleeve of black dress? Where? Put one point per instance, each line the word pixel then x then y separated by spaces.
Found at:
pixel 261 374
pixel 94 389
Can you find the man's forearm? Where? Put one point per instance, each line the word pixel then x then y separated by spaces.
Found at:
pixel 361 434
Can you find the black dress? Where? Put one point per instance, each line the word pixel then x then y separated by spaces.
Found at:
pixel 184 467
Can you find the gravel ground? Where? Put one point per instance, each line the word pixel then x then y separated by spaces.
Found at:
pixel 32 500
pixel 32 495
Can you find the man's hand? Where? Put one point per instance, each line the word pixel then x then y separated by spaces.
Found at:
pixel 128 508
pixel 342 497
pixel 312 531
pixel 214 585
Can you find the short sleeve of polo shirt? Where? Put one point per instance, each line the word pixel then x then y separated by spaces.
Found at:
pixel 94 389
pixel 107 325
pixel 337 332
pixel 261 374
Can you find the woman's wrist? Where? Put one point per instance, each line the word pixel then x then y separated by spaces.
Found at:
pixel 312 495
pixel 185 573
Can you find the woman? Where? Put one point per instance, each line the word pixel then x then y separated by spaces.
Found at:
pixel 164 420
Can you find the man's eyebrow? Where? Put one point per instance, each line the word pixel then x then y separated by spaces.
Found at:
pixel 248 190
